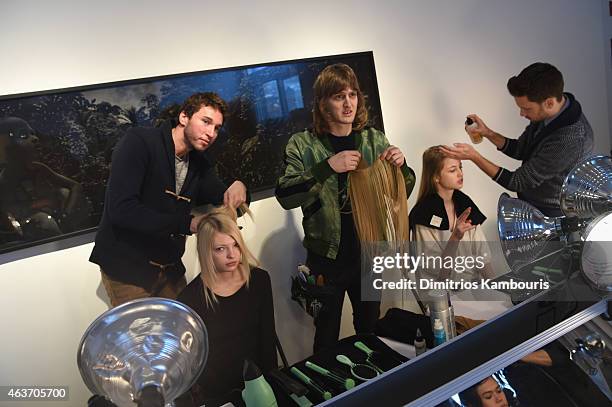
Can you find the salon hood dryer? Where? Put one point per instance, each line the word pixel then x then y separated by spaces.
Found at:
pixel 587 189
pixel 145 352
pixel 585 230
pixel 525 233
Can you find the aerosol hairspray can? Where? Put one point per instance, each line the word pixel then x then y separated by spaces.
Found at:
pixel 440 308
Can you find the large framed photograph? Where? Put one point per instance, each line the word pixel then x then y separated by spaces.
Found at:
pixel 56 146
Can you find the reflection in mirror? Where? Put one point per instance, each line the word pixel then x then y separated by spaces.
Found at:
pixel 574 370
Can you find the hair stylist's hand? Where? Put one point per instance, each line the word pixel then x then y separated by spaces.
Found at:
pixel 344 161
pixel 235 195
pixel 481 128
pixel 460 151
pixel 195 222
pixel 462 225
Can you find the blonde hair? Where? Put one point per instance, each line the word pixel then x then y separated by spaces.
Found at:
pixel 332 80
pixel 379 202
pixel 433 162
pixel 220 220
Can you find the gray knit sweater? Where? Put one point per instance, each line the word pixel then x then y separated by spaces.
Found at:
pixel 548 152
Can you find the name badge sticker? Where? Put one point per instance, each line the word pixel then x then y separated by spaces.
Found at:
pixel 435 221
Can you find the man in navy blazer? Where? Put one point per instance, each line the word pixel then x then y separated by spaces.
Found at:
pixel 157 176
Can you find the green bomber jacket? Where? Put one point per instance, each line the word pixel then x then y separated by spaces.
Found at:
pixel 309 182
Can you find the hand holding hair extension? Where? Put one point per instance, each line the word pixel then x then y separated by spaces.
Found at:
pixel 344 161
pixel 394 155
pixel 380 203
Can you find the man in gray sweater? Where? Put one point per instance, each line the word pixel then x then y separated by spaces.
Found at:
pixel 556 139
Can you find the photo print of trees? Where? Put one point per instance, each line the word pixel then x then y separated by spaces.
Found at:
pixel 56 146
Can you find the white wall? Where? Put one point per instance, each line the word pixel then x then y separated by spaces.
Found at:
pixel 436 61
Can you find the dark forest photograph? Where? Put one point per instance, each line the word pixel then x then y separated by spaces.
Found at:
pixel 56 146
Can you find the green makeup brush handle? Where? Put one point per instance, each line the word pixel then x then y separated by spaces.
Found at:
pixel 369 352
pixel 347 383
pixel 363 347
pixel 323 393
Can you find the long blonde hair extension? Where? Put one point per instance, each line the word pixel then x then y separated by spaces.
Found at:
pixel 379 202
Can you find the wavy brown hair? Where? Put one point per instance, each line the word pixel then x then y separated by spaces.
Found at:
pixel 433 162
pixel 190 106
pixel 332 80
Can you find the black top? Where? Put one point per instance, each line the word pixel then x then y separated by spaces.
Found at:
pixel 349 242
pixel 239 326
pixel 433 204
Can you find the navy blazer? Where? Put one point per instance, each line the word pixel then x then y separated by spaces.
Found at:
pixel 145 220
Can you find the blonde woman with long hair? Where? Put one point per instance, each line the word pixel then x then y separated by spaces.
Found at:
pixel 234 299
